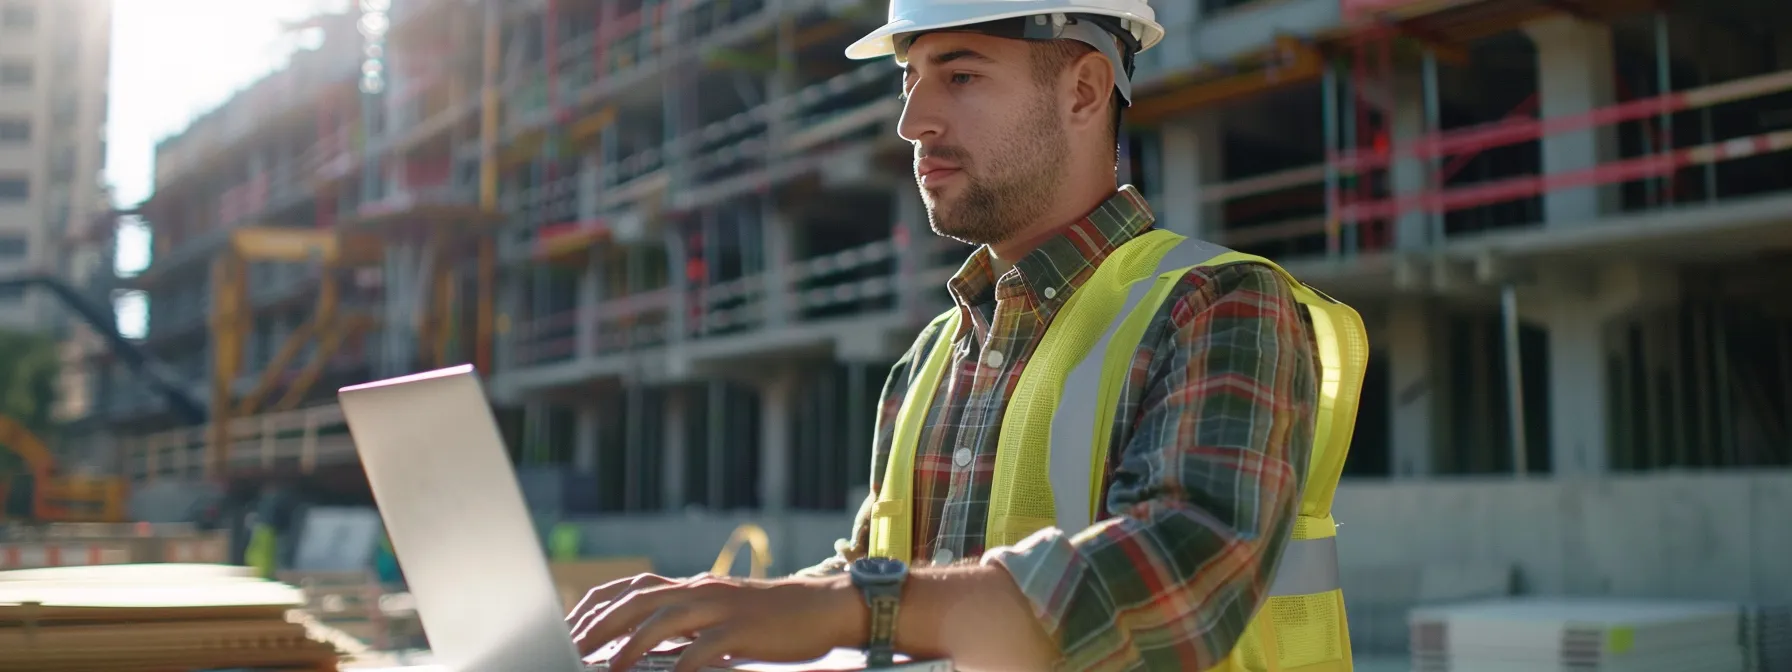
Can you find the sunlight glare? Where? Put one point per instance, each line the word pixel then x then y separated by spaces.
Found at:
pixel 173 60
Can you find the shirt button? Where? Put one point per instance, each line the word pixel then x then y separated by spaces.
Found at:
pixel 942 557
pixel 1050 292
pixel 994 359
pixel 962 457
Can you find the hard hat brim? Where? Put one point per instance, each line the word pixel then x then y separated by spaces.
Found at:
pixel 882 42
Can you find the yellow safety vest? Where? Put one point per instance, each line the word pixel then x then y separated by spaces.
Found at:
pixel 263 545
pixel 1302 626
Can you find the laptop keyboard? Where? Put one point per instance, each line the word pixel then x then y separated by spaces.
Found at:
pixel 647 664
pixel 661 658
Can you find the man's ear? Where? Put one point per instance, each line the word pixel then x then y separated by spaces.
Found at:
pixel 1092 85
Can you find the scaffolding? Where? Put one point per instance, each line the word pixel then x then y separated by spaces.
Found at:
pixel 638 197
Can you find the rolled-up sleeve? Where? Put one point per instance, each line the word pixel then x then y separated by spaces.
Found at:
pixel 1203 496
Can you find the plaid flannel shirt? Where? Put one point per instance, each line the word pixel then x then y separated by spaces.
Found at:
pixel 1212 438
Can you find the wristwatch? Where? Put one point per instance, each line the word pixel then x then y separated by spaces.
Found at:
pixel 880 579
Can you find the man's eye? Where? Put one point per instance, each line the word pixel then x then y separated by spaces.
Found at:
pixel 962 77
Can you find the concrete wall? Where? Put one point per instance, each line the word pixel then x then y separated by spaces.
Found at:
pixel 1714 536
pixel 682 544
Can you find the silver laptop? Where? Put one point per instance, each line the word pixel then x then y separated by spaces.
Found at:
pixel 449 497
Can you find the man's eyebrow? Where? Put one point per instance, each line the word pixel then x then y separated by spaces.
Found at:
pixel 958 55
pixel 945 57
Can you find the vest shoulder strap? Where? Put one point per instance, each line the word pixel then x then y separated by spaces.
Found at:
pixel 892 513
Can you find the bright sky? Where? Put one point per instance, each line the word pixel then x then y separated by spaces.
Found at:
pixel 171 61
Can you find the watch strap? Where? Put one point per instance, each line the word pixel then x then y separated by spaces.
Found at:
pixel 884 601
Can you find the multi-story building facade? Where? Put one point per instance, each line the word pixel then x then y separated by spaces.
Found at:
pixel 682 240
pixel 54 59
pixel 54 206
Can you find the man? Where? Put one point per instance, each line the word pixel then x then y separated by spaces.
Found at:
pixel 1013 117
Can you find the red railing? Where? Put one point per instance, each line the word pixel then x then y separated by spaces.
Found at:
pixel 1353 211
pixel 1362 10
pixel 1514 131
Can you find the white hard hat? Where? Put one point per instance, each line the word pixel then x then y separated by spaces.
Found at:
pixel 913 16
pixel 1130 21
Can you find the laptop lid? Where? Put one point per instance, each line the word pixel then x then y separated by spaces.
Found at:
pixel 449 498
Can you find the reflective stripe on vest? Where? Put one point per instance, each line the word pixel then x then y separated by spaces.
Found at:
pixel 1309 566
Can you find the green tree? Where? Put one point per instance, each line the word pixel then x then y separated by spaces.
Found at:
pixel 28 370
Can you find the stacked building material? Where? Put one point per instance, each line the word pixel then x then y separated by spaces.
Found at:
pixel 1584 635
pixel 356 604
pixel 154 617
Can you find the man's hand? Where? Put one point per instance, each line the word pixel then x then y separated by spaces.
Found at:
pixel 781 621
pixel 598 598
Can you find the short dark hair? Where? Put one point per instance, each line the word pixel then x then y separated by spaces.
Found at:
pixel 1051 57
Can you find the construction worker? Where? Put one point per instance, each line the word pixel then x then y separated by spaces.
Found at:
pixel 263 550
pixel 1116 447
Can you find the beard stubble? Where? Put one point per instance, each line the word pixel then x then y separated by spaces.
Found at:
pixel 1009 188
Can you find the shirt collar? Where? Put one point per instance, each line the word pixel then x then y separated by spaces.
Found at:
pixel 1053 271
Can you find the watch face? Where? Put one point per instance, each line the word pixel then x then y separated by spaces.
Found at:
pixel 875 568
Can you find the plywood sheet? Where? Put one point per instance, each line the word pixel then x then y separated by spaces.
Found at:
pixel 154 617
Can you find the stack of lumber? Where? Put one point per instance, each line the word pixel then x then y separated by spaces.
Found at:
pixel 356 604
pixel 1536 634
pixel 128 618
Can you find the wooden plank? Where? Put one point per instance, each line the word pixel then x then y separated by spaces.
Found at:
pixel 153 617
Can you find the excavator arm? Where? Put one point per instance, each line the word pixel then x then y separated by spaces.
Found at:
pixel 53 497
pixel 31 451
pixel 148 370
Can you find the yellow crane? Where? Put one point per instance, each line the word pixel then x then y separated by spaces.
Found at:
pixel 332 252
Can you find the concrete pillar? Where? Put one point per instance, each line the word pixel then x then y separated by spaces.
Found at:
pixel 679 104
pixel 1577 388
pixel 403 270
pixel 1418 388
pixel 1576 310
pixel 1178 20
pixel 585 438
pixel 1193 158
pixel 678 322
pixel 776 394
pixel 585 309
pixel 861 411
pixel 510 302
pixel 1574 75
pixel 535 433
pixel 590 187
pixel 716 446
pixel 1409 174
pixel 634 437
pixel 674 420
pixel 915 237
pixel 778 240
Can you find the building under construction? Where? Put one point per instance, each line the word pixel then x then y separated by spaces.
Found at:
pixel 683 239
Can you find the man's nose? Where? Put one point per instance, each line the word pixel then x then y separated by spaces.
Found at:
pixel 920 122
